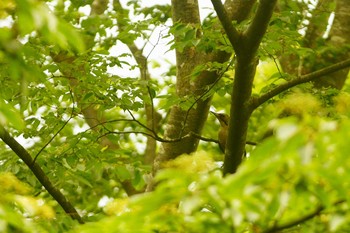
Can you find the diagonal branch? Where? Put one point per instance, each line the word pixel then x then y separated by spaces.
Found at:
pixel 257 29
pixel 62 127
pixel 39 174
pixel 257 101
pixel 295 222
pixel 231 32
pixel 301 219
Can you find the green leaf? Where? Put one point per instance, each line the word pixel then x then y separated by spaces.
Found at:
pixel 123 173
pixel 10 116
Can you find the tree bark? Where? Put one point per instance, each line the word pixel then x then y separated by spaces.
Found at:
pixel 187 13
pixel 339 38
pixel 293 63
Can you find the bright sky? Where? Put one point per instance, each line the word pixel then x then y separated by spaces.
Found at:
pixel 159 52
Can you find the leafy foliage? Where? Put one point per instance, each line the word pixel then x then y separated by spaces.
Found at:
pixel 291 177
pixel 17 201
pixel 80 108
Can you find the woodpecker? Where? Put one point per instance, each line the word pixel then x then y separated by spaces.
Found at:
pixel 223 131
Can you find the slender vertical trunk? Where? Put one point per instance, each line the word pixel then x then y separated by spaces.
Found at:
pixel 240 113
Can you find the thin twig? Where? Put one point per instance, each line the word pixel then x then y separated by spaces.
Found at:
pixel 217 141
pixel 274 61
pixel 154 45
pixel 160 139
pixel 148 87
pixel 152 107
pixel 54 136
pixel 204 138
pixel 204 93
pixel 138 122
pixel 155 137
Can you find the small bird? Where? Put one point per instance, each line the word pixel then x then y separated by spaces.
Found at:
pixel 222 135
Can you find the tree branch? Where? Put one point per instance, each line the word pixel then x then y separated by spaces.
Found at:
pixel 39 174
pixel 155 137
pixel 62 127
pixel 231 32
pixel 217 141
pixel 295 222
pixel 160 139
pixel 257 101
pixel 152 116
pixel 257 29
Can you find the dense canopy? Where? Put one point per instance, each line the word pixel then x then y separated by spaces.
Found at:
pixel 105 120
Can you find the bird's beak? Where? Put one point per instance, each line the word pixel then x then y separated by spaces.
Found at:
pixel 214 113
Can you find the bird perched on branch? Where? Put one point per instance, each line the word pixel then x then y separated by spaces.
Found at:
pixel 223 131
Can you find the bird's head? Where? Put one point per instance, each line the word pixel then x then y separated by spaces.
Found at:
pixel 222 117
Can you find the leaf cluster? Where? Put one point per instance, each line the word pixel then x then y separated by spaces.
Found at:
pixel 290 181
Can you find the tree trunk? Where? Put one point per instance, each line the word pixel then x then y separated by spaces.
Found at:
pixel 180 122
pixel 339 38
pixel 246 45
